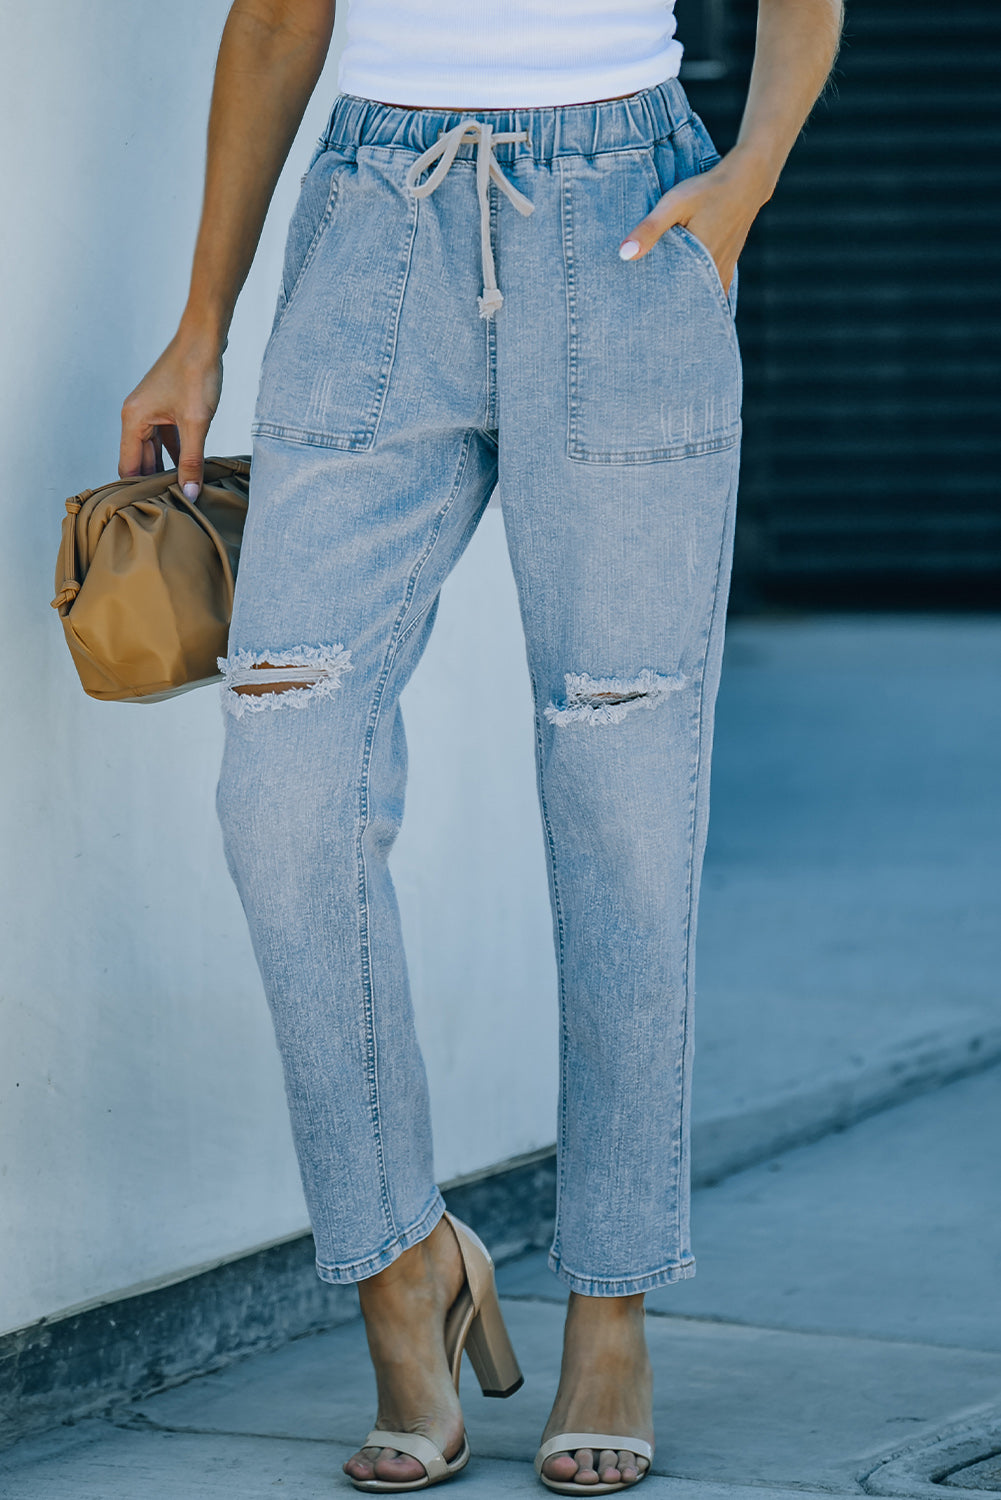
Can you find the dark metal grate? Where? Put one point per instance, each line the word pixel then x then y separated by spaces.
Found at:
pixel 870 320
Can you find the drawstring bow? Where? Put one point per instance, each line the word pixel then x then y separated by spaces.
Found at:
pixel 445 148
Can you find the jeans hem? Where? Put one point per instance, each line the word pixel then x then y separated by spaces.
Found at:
pixel 622 1286
pixel 360 1270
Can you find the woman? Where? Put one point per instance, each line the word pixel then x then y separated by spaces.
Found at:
pixel 567 336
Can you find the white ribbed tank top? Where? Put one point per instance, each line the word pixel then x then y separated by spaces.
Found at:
pixel 466 54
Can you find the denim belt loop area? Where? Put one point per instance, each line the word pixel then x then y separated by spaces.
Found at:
pixel 446 147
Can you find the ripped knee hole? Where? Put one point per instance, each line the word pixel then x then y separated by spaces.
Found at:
pixel 607 700
pixel 254 681
pixel 272 678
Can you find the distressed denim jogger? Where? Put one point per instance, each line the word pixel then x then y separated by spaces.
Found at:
pixel 427 347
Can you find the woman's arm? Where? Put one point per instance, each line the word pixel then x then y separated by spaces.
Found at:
pixel 797 42
pixel 271 54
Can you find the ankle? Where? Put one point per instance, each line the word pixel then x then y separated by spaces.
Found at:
pixel 422 1282
pixel 611 1313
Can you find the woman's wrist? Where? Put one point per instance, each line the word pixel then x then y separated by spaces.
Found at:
pixel 758 168
pixel 202 332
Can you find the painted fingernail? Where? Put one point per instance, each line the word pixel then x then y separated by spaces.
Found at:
pixel 628 249
pixel 191 490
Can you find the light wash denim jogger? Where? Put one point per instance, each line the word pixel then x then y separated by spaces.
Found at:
pixel 398 388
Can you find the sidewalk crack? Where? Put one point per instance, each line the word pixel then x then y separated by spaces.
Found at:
pixel 140 1422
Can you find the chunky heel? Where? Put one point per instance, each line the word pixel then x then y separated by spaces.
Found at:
pixel 490 1353
pixel 474 1324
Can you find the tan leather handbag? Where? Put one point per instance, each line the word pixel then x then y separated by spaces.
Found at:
pixel 144 581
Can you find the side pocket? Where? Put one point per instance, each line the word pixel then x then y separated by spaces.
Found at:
pixel 699 250
pixel 310 219
pixel 690 152
pixel 705 147
pixel 318 151
pixel 653 369
pixel 326 370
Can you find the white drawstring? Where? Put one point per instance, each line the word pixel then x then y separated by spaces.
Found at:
pixel 486 167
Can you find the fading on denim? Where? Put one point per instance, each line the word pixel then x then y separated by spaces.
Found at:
pixel 601 398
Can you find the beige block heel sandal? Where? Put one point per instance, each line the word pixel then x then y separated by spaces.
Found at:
pixel 569 1442
pixel 474 1324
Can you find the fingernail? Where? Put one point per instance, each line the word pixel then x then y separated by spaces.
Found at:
pixel 191 490
pixel 628 249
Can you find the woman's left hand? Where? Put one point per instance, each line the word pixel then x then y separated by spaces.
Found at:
pixel 718 207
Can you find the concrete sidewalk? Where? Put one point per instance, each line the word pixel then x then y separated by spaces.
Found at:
pixel 845 1323
pixel 850 928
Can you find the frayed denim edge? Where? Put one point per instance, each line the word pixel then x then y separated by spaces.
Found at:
pixel 645 690
pixel 331 662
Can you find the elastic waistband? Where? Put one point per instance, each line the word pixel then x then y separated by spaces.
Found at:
pixel 640 119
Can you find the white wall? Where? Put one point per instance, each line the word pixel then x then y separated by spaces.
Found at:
pixel 142 1120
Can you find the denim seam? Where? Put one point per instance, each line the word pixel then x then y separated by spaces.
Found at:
pixel 398 639
pixel 698 795
pixel 623 1286
pixel 333 195
pixel 405 634
pixel 651 123
pixel 656 455
pixel 354 442
pixel 389 356
pixel 520 154
pixel 571 304
pixel 490 419
pixel 678 1144
pixel 363 817
pixel 358 1270
pixel 561 964
pixel 700 252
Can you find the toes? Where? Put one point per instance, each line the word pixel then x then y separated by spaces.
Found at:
pixel 361 1465
pixel 578 1467
pixel 400 1467
pixel 608 1466
pixel 629 1470
pixel 562 1466
pixel 383 1463
pixel 588 1466
pixel 587 1472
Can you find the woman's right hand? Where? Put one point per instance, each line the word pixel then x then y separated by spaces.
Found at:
pixel 172 407
pixel 282 47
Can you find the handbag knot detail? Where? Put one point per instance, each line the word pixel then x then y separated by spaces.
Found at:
pixel 144 581
pixel 67 593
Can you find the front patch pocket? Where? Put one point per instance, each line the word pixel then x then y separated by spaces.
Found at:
pixel 327 366
pixel 653 366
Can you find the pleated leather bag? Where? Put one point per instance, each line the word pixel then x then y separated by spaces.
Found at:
pixel 144 581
